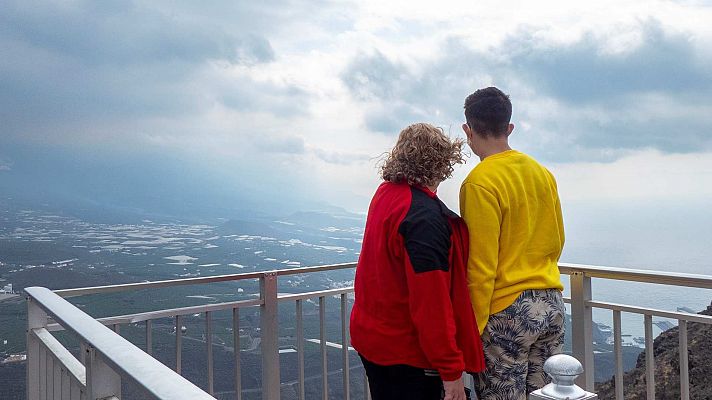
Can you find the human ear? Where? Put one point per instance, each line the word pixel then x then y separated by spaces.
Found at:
pixel 468 131
pixel 510 129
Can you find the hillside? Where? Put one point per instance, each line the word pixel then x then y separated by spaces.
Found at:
pixel 667 366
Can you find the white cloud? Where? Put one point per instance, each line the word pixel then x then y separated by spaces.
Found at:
pixel 647 174
pixel 317 89
pixel 643 176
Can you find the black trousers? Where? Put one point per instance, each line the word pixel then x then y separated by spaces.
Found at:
pixel 394 382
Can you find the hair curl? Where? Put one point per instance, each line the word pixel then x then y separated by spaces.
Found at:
pixel 423 155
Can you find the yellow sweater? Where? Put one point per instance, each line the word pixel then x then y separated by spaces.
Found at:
pixel 511 206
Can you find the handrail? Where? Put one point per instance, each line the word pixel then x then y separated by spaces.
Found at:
pixel 318 293
pixel 594 271
pixel 75 369
pixel 582 305
pixel 126 359
pixel 704 319
pixel 202 280
pixel 172 312
pixel 639 275
pixel 116 351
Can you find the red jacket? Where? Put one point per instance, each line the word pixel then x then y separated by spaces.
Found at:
pixel 412 305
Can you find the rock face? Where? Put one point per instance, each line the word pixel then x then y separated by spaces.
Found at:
pixel 667 366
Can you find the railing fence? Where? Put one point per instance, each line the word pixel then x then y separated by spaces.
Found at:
pixel 582 321
pixel 53 373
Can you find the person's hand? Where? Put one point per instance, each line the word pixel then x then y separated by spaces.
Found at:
pixel 454 390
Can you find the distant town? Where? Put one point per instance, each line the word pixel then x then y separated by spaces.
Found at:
pixel 6 292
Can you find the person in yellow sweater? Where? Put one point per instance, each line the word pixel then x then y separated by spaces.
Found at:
pixel 511 206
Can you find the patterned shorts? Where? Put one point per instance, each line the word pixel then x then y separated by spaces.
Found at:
pixel 517 341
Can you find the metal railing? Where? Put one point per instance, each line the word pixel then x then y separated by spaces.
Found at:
pixel 40 341
pixel 269 328
pixel 582 306
pixel 54 373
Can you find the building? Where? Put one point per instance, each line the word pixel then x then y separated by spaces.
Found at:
pixel 7 289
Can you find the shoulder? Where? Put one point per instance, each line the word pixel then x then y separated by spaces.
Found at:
pixel 530 160
pixel 388 206
pixel 421 200
pixel 392 188
pixel 489 172
pixel 481 178
pixel 543 170
pixel 392 195
pixel 426 210
pixel 428 207
pixel 477 175
pixel 426 232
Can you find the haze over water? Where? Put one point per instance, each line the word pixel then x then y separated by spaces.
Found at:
pixel 662 237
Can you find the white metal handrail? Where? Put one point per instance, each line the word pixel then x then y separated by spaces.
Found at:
pixel 582 306
pixel 703 319
pixel 173 312
pixel 639 275
pixel 581 309
pixel 298 298
pixel 201 280
pixel 109 356
pixel 592 271
pixel 65 380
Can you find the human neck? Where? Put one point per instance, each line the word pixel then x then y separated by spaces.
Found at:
pixel 491 146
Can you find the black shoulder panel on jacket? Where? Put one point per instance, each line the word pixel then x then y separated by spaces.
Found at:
pixel 426 233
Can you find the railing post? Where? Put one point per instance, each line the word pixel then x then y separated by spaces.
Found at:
pixel 36 318
pixel 269 335
pixel 563 370
pixel 102 380
pixel 582 327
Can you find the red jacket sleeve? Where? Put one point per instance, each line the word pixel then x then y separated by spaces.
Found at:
pixel 427 243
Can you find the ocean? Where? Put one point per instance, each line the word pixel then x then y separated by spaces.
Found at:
pixel 669 237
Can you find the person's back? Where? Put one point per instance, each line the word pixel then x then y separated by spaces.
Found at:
pixel 531 233
pixel 412 321
pixel 511 206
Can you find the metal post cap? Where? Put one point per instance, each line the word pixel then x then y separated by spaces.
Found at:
pixel 562 365
pixel 563 370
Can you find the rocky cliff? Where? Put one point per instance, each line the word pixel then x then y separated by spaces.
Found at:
pixel 667 366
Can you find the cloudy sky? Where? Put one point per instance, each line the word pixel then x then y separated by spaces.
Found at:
pixel 298 99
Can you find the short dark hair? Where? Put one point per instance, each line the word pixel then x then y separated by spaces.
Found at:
pixel 488 111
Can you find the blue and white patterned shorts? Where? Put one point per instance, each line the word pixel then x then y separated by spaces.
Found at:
pixel 516 343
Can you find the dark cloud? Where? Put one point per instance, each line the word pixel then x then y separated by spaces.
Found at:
pixel 584 72
pixel 145 182
pixel 400 97
pixel 247 95
pixel 581 100
pixel 109 100
pixel 92 64
pixel 391 120
pixel 374 76
pixel 126 33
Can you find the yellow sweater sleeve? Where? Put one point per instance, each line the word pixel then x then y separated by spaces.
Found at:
pixel 481 211
pixel 559 219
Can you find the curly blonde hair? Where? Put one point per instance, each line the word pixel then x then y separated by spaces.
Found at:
pixel 423 155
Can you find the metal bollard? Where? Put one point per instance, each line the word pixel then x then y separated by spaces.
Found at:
pixel 563 370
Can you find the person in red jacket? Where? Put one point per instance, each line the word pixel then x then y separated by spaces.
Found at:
pixel 412 321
